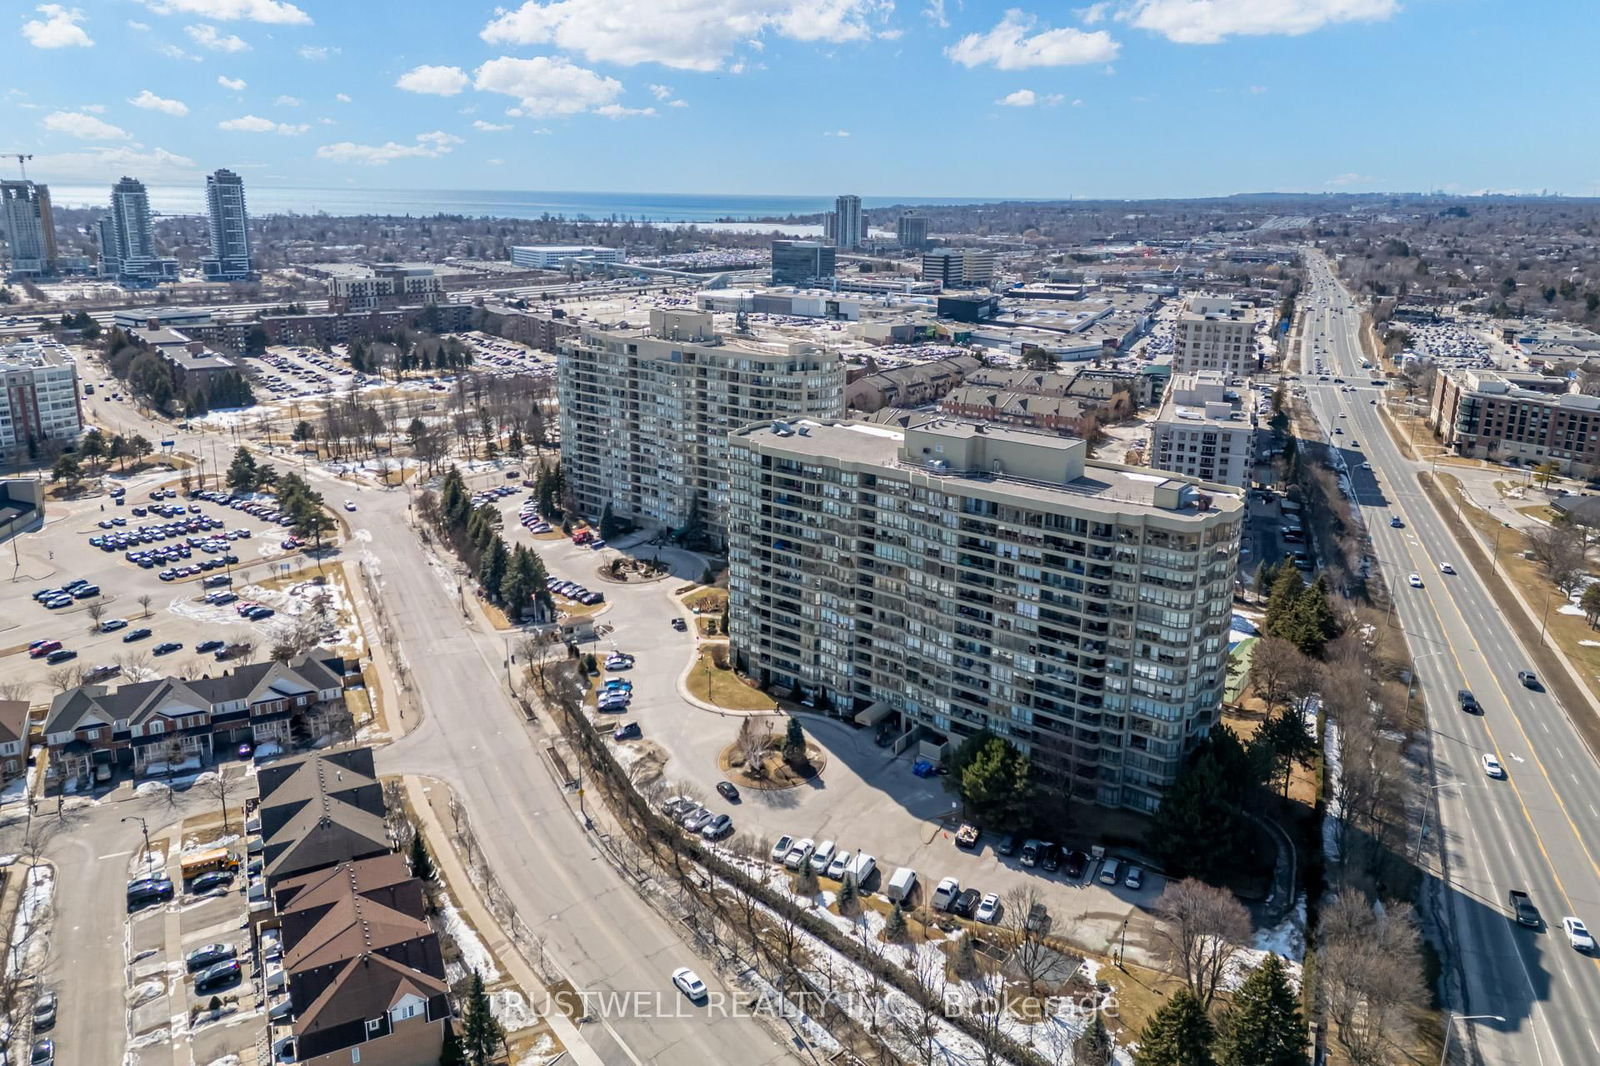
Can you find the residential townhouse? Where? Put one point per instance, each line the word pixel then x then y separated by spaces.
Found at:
pixel 13 739
pixel 1053 414
pixel 909 386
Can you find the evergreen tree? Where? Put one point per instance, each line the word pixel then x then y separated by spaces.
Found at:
pixel 1310 622
pixel 608 523
pixel 794 743
pixel 481 1034
pixel 1263 1025
pixel 964 959
pixel 1093 1046
pixel 1286 591
pixel 421 862
pixel 1179 1034
pixel 496 561
pixel 242 472
pixel 1199 829
pixel 997 784
pixel 894 926
pixel 848 898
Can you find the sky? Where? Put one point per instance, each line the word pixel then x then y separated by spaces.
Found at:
pixel 958 98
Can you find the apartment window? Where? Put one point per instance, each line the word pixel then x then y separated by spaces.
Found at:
pixel 373 1026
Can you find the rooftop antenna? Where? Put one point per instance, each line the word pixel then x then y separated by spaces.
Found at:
pixel 22 162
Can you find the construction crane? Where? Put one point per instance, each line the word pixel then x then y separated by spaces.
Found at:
pixel 22 161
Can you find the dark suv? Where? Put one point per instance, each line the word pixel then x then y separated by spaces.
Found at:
pixel 1469 702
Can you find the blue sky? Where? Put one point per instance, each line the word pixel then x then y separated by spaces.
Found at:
pixel 912 97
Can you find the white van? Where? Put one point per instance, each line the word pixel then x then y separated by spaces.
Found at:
pixel 901 885
pixel 1108 872
pixel 860 868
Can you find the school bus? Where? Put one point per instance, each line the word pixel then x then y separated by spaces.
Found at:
pixel 204 862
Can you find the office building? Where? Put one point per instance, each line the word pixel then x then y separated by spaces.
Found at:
pixel 370 288
pixel 1215 333
pixel 912 231
pixel 1205 429
pixel 802 263
pixel 956 268
pixel 229 225
pixel 966 578
pixel 1518 418
pixel 128 242
pixel 645 415
pixel 30 230
pixel 555 256
pixel 848 230
pixel 40 398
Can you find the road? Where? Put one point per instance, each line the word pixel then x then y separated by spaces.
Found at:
pixel 603 935
pixel 1538 829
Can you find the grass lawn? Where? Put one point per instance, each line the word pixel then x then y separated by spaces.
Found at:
pixel 709 598
pixel 724 688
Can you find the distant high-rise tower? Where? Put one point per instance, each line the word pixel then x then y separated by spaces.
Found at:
pixel 847 229
pixel 128 241
pixel 230 229
pixel 912 231
pixel 29 228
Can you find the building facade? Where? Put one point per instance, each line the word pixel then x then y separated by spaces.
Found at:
pixel 645 415
pixel 1523 419
pixel 1215 333
pixel 30 228
pixel 40 400
pixel 128 241
pixel 958 268
pixel 373 288
pixel 848 230
pixel 801 263
pixel 1204 429
pixel 912 231
pixel 229 229
pixel 969 578
pixel 553 256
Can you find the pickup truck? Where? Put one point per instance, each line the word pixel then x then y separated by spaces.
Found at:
pixel 967 836
pixel 1523 910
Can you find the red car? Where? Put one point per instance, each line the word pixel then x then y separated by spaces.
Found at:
pixel 40 648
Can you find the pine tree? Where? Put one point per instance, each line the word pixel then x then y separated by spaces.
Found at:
pixel 848 900
pixel 794 743
pixel 1311 623
pixel 805 882
pixel 1287 587
pixel 894 926
pixel 481 1036
pixel 1093 1046
pixel 421 861
pixel 964 960
pixel 1263 1025
pixel 1179 1034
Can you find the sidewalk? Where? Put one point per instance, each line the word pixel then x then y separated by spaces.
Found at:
pixel 464 892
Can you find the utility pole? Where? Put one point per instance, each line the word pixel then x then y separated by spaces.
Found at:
pixel 144 826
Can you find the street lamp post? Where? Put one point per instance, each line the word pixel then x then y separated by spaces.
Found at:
pixel 1422 830
pixel 1449 1018
pixel 144 826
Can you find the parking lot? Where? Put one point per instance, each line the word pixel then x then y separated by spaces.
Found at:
pixel 151 614
pixel 866 799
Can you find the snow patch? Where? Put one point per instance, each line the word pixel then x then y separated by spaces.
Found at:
pixel 474 956
pixel 512 1011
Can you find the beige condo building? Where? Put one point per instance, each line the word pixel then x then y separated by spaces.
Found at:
pixel 1215 333
pixel 969 577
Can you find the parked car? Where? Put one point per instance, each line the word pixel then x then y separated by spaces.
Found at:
pixel 111 625
pixel 780 850
pixel 148 890
pixel 822 856
pixel 1076 862
pixel 718 827
pixel 838 865
pixel 1007 845
pixel 963 905
pixel 945 894
pixel 43 1053
pixel 44 1010
pixel 1050 858
pixel 209 955
pixel 1030 852
pixel 207 646
pixel 799 852
pixel 209 882
pixel 988 911
pixel 219 976
pixel 1134 878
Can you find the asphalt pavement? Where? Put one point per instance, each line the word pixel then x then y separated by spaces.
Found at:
pixel 1539 828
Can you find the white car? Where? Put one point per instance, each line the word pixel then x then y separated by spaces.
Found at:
pixel 946 894
pixel 840 863
pixel 1446 568
pixel 799 853
pixel 689 983
pixel 821 857
pixel 1577 934
pixel 780 850
pixel 1492 767
pixel 988 909
pixel 1414 580
pixel 349 505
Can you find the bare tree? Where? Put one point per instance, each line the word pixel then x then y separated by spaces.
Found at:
pixel 1370 964
pixel 134 664
pixel 1203 928
pixel 14 689
pixel 145 600
pixel 1559 549
pixel 917 1016
pixel 65 677
pixel 751 746
pixel 1273 666
pixel 219 788
pixel 1025 934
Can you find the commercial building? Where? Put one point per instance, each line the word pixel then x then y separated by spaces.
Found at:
pixel 1215 333
pixel 956 268
pixel 1517 418
pixel 30 228
pixel 195 367
pixel 1205 429
pixel 555 256
pixel 968 578
pixel 847 226
pixel 912 231
pixel 369 288
pixel 229 229
pixel 40 399
pixel 128 241
pixel 93 731
pixel 801 263
pixel 645 415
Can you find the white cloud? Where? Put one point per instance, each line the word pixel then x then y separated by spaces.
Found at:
pixel 434 81
pixel 56 28
pixel 428 146
pixel 677 103
pixel 1257 90
pixel 934 13
pixel 257 124
pixel 547 86
pixel 316 53
pixel 288 101
pixel 138 27
pixel 91 164
pixel 98 109
pixel 490 127
pixel 83 126
pixel 1094 13
pixel 495 162
pixel 236 84
pixel 1009 47
pixel 150 101
pixel 686 34
pixel 661 92
pixel 172 51
pixel 269 11
pixel 207 36
pixel 1352 178
pixel 1028 98
pixel 836 133
pixel 618 111
pixel 1211 21
pixel 343 98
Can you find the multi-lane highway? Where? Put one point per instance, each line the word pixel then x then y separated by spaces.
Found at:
pixel 1536 829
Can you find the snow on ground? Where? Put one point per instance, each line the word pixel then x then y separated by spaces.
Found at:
pixel 1287 939
pixel 19 789
pixel 144 993
pixel 33 912
pixel 1332 770
pixel 305 599
pixel 146 789
pixel 542 1052
pixel 226 1060
pixel 512 1011
pixel 474 956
